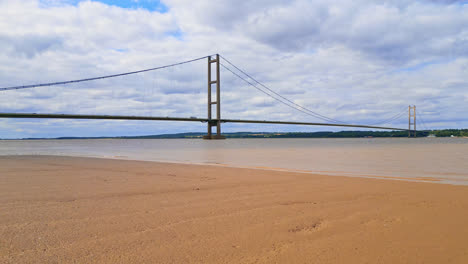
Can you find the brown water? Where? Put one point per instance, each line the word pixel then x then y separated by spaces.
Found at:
pixel 441 160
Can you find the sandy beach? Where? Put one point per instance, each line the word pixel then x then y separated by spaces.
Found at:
pixel 87 210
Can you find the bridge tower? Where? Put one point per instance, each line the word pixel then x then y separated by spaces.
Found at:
pixel 411 115
pixel 217 121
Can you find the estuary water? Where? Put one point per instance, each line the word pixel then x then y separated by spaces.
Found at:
pixel 438 160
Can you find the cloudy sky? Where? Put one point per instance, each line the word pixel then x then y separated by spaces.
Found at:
pixel 356 61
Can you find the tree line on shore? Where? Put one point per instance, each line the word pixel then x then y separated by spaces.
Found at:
pixel 322 134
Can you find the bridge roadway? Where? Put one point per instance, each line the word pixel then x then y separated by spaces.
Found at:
pixel 190 119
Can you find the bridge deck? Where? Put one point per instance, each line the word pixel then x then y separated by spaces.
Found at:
pixel 156 118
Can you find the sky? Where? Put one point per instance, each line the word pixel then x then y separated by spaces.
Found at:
pixel 360 62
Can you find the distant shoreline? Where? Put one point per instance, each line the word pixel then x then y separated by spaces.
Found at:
pixel 460 133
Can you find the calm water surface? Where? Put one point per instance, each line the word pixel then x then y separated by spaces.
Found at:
pixel 442 160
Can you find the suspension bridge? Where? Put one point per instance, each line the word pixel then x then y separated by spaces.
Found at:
pixel 213 103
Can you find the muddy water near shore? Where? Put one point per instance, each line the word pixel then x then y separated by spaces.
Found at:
pixel 439 160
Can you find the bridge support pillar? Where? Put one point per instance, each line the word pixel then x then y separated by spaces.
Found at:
pixel 217 121
pixel 412 115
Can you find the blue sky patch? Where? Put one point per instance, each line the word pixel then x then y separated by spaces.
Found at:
pixel 422 65
pixel 176 34
pixel 121 50
pixel 150 5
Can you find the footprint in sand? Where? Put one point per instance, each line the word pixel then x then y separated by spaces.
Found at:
pixel 307 228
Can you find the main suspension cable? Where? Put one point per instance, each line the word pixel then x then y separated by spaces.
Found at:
pixel 98 78
pixel 422 120
pixel 385 121
pixel 284 98
pixel 272 96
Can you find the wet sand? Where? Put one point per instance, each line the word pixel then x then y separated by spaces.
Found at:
pixel 86 210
